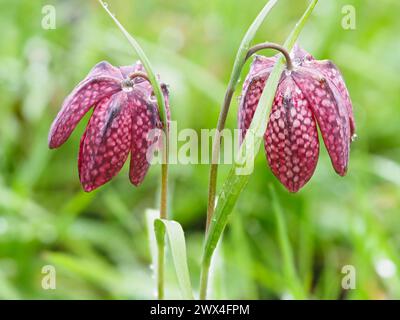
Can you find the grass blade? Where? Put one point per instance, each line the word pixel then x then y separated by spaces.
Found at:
pixel 234 184
pixel 163 112
pixel 176 238
pixel 233 82
pixel 146 63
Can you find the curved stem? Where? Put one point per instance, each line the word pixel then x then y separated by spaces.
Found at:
pixel 235 184
pixel 221 123
pixel 234 79
pixel 270 45
pixel 139 74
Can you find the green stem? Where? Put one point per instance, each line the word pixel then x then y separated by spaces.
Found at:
pixel 164 191
pixel 233 82
pixel 160 269
pixel 205 269
pixel 163 112
pixel 222 118
pixel 235 184
pixel 240 60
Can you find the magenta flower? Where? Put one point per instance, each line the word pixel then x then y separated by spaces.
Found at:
pixel 125 111
pixel 312 93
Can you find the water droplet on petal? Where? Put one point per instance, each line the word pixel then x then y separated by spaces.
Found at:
pixel 153 99
pixel 354 137
pixel 127 85
pixel 127 89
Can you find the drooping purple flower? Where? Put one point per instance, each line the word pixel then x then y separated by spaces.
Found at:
pixel 312 93
pixel 125 111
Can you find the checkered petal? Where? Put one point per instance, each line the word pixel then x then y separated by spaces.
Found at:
pixel 102 81
pixel 291 139
pixel 106 142
pixel 330 111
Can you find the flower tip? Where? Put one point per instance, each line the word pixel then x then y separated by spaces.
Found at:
pixel 342 172
pixel 87 187
pixel 136 182
pixel 51 142
pixel 291 190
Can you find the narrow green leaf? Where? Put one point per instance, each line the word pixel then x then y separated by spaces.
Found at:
pixel 163 112
pixel 146 63
pixel 234 184
pixel 246 41
pixel 178 249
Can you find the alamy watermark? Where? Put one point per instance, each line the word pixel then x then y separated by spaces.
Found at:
pixel 349 17
pixel 49 277
pixel 349 280
pixel 188 146
pixel 49 17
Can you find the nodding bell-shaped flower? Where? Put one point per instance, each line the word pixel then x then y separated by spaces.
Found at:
pixel 125 111
pixel 312 92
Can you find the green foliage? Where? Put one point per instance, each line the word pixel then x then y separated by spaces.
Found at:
pixel 178 250
pixel 98 242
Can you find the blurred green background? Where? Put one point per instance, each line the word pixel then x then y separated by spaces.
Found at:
pixel 98 242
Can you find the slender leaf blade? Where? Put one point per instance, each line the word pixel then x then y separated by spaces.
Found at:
pixel 234 184
pixel 246 41
pixel 176 238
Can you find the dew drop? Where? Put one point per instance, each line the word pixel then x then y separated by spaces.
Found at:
pixel 153 99
pixel 105 4
pixel 127 89
pixel 354 137
pixel 127 85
